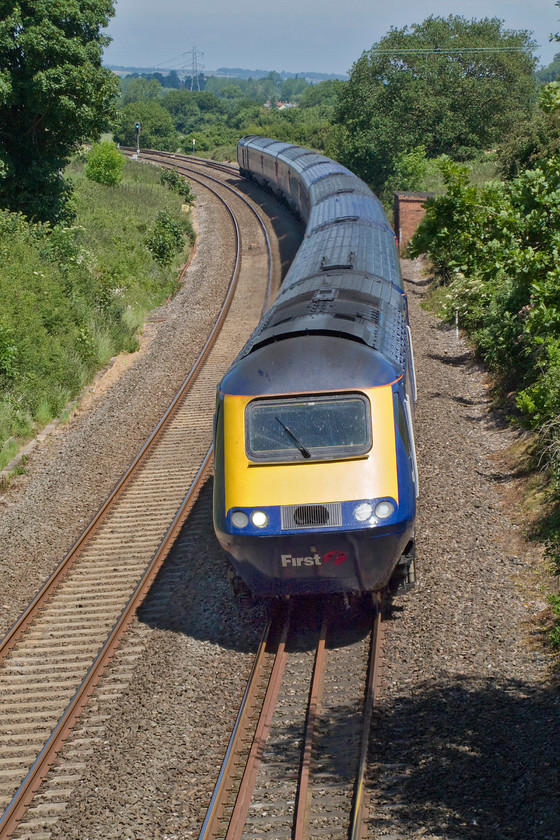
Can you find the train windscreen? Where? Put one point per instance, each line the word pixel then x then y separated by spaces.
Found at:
pixel 317 428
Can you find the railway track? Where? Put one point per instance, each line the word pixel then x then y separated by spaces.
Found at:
pixel 186 160
pixel 295 764
pixel 184 165
pixel 54 656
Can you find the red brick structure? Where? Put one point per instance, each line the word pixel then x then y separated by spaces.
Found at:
pixel 409 212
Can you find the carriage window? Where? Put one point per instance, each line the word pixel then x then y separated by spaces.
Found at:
pixel 308 429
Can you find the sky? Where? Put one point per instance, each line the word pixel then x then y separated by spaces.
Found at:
pixel 324 36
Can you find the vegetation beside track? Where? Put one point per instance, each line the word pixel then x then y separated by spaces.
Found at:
pixel 75 295
pixel 494 250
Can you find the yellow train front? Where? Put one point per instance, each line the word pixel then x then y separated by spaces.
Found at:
pixel 315 479
pixel 314 468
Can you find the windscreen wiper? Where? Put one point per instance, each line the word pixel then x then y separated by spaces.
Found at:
pixel 305 452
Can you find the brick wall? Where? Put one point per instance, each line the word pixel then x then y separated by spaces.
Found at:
pixel 409 212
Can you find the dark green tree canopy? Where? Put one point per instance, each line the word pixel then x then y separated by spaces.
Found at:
pixel 54 95
pixel 451 85
pixel 157 130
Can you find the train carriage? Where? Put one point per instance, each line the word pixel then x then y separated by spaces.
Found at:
pixel 315 468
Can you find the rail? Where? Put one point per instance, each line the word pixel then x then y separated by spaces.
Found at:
pixel 124 546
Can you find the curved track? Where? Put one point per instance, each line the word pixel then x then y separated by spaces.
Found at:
pixel 53 657
pixel 184 165
pixel 295 764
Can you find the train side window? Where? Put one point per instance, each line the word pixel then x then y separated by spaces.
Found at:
pixel 402 426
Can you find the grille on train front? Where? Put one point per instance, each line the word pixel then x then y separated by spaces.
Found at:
pixel 311 516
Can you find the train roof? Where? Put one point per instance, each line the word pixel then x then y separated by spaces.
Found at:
pixel 367 249
pixel 311 165
pixel 309 364
pixel 335 183
pixel 345 281
pixel 362 308
pixel 347 207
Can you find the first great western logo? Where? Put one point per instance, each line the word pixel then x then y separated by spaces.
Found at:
pixel 335 558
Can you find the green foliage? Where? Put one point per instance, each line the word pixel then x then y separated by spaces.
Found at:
pixel 555 632
pixel 54 95
pixel 551 72
pixel 209 138
pixel 105 164
pixel 192 111
pixel 411 170
pixel 528 143
pixel 433 94
pixel 269 89
pixel 157 129
pixel 536 139
pixel 322 94
pixel 73 296
pixel 173 181
pixel 549 98
pixel 140 90
pixel 8 353
pixel 310 127
pixel 216 120
pixel 496 247
pixel 166 239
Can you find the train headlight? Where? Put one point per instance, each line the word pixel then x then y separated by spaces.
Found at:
pixel 363 511
pixel 239 519
pixel 385 509
pixel 259 519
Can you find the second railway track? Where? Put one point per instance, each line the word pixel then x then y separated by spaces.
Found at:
pixel 52 658
pixel 295 765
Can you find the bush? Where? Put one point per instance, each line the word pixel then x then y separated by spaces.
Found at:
pixel 496 248
pixel 175 182
pixel 8 353
pixel 166 239
pixel 105 164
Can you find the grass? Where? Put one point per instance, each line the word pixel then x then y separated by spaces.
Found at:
pixel 8 452
pixel 74 296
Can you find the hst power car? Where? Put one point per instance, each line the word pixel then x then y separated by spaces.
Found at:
pixel 315 469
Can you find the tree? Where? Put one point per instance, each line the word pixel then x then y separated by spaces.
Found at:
pixel 193 110
pixel 551 72
pixel 156 126
pixel 451 85
pixel 292 88
pixel 183 108
pixel 172 80
pixel 140 90
pixel 54 95
pixel 323 93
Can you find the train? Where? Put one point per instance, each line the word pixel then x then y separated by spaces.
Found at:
pixel 315 472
